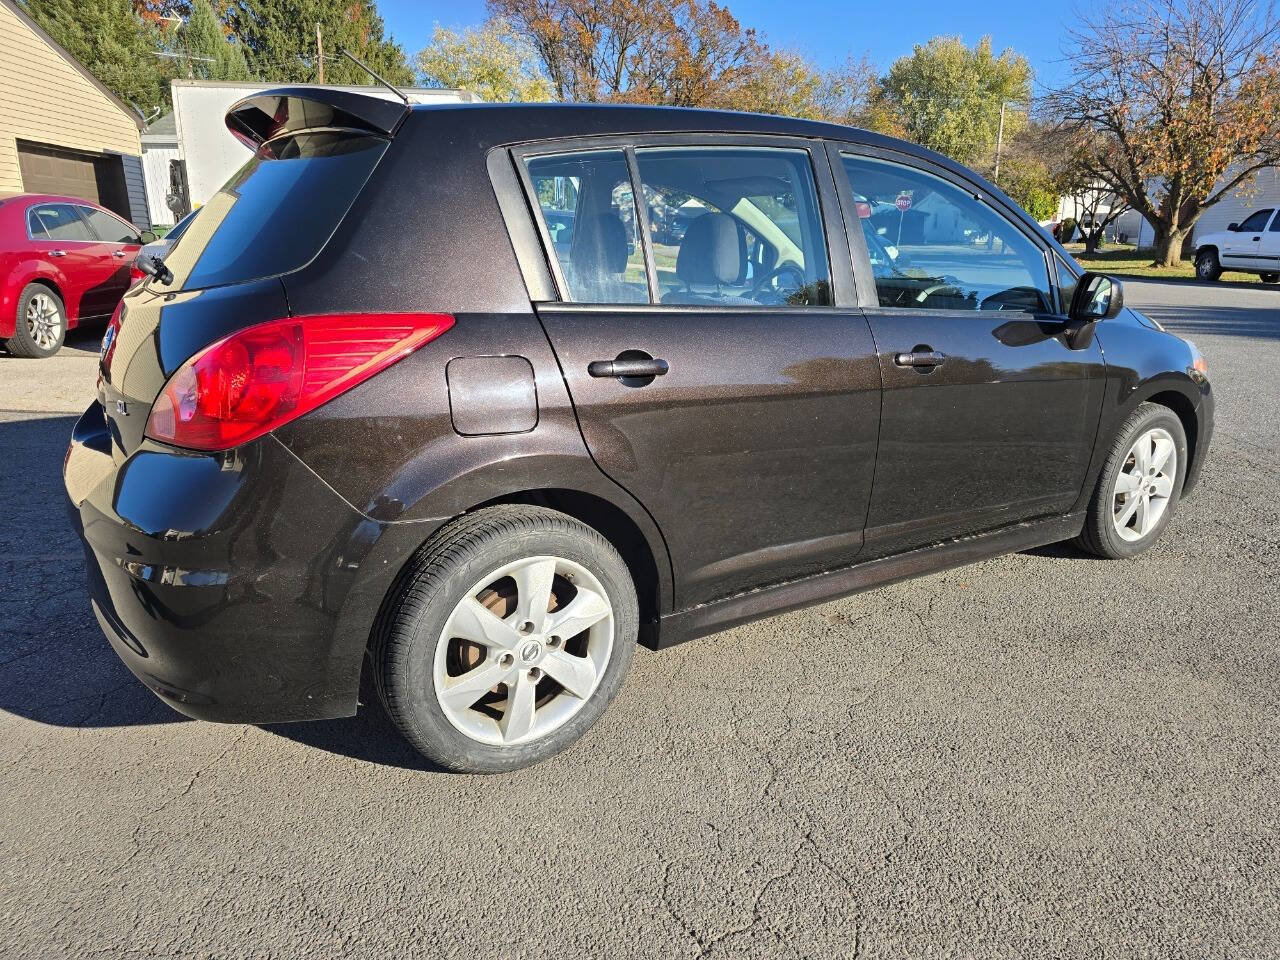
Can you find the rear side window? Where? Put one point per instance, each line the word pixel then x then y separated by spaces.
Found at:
pixel 109 228
pixel 590 216
pixel 277 212
pixel 57 221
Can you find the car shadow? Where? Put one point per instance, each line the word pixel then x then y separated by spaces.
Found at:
pixel 56 667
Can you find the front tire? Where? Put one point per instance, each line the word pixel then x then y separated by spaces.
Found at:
pixel 40 324
pixel 1208 269
pixel 505 639
pixel 1139 486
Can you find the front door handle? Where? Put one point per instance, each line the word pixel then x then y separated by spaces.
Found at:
pixel 920 358
pixel 119 254
pixel 625 367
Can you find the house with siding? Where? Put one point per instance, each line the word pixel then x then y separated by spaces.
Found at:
pixel 61 131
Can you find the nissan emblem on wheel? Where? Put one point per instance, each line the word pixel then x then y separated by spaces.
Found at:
pixel 465 402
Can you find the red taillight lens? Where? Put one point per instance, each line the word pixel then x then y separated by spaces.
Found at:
pixel 260 378
pixel 135 275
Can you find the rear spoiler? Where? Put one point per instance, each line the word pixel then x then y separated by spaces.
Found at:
pixel 286 110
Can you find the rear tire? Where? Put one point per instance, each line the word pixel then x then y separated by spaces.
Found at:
pixel 1208 269
pixel 1139 486
pixel 40 323
pixel 505 638
pixel 1271 277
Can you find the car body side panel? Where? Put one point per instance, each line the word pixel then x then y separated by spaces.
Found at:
pixel 1143 363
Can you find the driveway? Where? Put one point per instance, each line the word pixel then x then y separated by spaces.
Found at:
pixel 1044 755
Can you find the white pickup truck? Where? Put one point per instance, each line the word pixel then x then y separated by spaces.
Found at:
pixel 1252 246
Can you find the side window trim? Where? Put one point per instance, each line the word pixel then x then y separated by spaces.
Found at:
pixel 642 218
pixel 868 299
pixel 75 210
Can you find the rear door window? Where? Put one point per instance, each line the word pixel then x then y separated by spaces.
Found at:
pixel 277 212
pixel 589 213
pixel 57 221
pixel 735 226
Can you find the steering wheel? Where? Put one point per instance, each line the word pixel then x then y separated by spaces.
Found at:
pixel 777 272
pixel 949 283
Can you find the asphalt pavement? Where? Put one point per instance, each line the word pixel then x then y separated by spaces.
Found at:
pixel 1043 755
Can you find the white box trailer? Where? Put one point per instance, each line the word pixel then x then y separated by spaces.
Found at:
pixel 211 155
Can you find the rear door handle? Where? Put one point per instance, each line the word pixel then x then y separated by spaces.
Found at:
pixel 57 253
pixel 650 367
pixel 930 358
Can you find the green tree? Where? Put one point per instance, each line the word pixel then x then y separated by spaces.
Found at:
pixel 112 42
pixel 493 62
pixel 206 39
pixel 947 97
pixel 279 38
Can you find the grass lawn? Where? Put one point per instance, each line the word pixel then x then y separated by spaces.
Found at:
pixel 1127 260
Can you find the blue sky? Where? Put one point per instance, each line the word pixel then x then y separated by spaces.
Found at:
pixel 827 30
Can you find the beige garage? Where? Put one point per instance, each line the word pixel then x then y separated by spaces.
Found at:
pixel 60 130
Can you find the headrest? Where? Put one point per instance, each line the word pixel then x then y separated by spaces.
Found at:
pixel 711 251
pixel 599 246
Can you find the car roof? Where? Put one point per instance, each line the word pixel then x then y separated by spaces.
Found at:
pixel 53 198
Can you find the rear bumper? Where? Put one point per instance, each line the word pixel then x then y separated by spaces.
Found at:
pixel 222 580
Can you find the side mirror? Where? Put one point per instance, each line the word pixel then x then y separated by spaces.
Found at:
pixel 1098 297
pixel 148 237
pixel 1233 227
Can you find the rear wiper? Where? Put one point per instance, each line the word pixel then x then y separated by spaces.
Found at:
pixel 153 266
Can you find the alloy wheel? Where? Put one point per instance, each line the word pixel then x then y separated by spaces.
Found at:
pixel 524 650
pixel 1144 484
pixel 44 321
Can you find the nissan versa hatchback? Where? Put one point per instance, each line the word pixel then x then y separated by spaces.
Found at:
pixel 469 400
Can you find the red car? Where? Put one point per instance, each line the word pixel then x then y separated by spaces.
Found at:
pixel 63 261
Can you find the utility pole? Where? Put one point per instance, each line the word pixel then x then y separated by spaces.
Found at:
pixel 999 143
pixel 320 53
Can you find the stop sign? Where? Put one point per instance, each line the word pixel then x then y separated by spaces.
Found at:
pixel 903 203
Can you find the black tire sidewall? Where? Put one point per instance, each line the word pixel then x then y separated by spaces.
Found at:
pixel 426 604
pixel 1147 416
pixel 21 344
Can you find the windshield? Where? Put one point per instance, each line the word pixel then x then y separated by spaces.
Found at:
pixel 277 212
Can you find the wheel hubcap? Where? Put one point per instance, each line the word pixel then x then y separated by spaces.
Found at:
pixel 44 321
pixel 1144 484
pixel 523 651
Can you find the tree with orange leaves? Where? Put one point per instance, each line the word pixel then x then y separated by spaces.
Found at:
pixel 1180 105
pixel 685 53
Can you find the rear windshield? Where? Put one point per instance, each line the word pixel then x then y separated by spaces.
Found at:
pixel 277 212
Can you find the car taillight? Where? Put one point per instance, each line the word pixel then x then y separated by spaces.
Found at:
pixel 260 378
pixel 135 275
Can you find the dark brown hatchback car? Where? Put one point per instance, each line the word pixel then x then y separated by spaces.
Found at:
pixel 469 400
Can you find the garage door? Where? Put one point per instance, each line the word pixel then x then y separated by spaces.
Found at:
pixel 47 169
